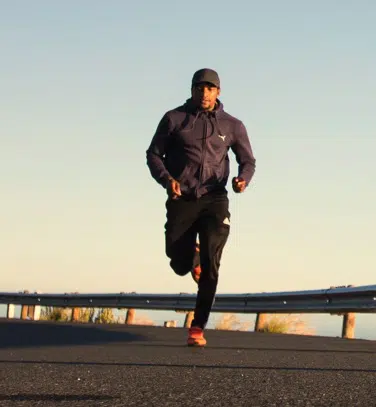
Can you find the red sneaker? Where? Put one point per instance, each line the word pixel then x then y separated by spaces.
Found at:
pixel 196 337
pixel 196 269
pixel 196 272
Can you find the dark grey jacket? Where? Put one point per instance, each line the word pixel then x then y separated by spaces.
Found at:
pixel 192 146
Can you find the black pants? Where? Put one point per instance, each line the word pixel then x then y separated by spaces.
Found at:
pixel 206 217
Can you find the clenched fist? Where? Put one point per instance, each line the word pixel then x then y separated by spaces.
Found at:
pixel 173 188
pixel 238 184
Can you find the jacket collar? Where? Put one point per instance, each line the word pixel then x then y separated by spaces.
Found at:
pixel 192 108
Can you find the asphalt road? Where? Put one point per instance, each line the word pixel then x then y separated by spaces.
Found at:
pixel 55 364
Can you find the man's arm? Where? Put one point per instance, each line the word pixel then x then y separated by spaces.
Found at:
pixel 244 154
pixel 157 150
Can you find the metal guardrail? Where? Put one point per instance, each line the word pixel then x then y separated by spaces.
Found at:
pixel 333 300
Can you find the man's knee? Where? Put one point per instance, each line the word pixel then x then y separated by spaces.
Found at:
pixel 181 257
pixel 180 268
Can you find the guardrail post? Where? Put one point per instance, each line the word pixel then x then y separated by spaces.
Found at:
pixel 260 322
pixel 34 310
pixel 10 311
pixel 188 319
pixel 348 325
pixel 130 316
pixel 75 317
pixel 24 308
pixel 170 324
pixel 30 312
pixel 36 315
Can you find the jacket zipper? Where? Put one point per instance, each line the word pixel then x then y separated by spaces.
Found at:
pixel 202 155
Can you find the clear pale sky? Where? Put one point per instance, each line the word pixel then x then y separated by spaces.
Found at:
pixel 83 87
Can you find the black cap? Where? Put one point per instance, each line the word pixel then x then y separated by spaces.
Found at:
pixel 206 75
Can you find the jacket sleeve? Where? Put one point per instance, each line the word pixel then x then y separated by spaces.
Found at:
pixel 244 154
pixel 157 149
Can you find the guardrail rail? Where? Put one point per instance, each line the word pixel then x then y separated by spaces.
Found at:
pixel 344 300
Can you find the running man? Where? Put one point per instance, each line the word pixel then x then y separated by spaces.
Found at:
pixel 188 156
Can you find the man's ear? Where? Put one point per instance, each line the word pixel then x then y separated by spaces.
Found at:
pixel 219 91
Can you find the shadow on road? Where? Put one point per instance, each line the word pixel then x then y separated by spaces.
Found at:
pixel 189 366
pixel 24 334
pixel 261 348
pixel 55 397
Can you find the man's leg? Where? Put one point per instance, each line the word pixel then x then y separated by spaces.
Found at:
pixel 214 230
pixel 181 232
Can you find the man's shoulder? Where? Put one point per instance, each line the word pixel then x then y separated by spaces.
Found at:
pixel 234 121
pixel 176 111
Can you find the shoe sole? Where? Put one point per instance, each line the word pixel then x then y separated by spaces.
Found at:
pixel 196 345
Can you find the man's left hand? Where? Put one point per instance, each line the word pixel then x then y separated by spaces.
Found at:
pixel 238 184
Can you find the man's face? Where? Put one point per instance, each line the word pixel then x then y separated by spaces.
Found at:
pixel 204 95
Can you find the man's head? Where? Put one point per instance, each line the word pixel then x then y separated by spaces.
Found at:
pixel 206 88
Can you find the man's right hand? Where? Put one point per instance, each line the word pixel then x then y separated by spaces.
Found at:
pixel 173 188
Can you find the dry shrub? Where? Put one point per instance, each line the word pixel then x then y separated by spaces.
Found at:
pixel 231 322
pixel 275 323
pixel 287 324
pixel 86 315
pixel 138 320
pixel 55 314
pixel 143 320
pixel 105 316
pixel 60 314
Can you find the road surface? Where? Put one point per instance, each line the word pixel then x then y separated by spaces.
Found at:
pixel 60 364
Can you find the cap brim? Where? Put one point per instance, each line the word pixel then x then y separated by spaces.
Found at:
pixel 204 81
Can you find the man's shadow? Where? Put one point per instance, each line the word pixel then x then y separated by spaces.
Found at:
pixel 23 334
